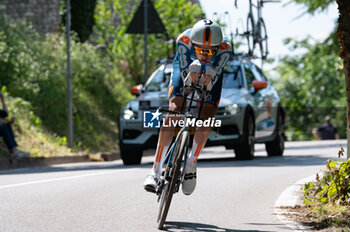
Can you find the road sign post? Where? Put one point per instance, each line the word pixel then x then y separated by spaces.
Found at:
pixel 146 21
pixel 145 32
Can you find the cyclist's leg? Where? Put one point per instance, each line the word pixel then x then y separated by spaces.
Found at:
pixel 208 111
pixel 202 133
pixel 166 134
pixel 164 140
pixel 200 138
pixel 175 103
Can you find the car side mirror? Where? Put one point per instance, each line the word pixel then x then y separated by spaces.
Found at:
pixel 259 84
pixel 136 90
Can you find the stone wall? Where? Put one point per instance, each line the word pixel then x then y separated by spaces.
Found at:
pixel 43 14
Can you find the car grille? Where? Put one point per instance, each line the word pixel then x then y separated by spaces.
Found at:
pixel 131 134
pixel 220 111
pixel 152 142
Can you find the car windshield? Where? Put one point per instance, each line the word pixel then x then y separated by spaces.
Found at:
pixel 232 77
pixel 159 81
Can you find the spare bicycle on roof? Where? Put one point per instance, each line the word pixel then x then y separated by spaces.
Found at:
pixel 256 29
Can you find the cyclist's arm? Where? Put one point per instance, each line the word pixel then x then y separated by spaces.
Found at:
pixel 222 57
pixel 214 69
pixel 184 45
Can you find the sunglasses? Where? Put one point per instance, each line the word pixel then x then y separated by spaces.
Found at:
pixel 202 51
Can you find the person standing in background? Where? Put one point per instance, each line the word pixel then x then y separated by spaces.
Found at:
pixel 327 131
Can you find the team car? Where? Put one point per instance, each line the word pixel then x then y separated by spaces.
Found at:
pixel 250 111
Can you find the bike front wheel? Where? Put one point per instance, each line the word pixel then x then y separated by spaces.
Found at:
pixel 169 189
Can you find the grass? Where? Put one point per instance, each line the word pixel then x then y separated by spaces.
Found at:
pixel 33 79
pixel 31 136
pixel 331 215
pixel 326 199
pixel 322 217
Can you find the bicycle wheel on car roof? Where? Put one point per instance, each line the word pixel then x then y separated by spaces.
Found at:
pixel 175 175
pixel 250 34
pixel 262 40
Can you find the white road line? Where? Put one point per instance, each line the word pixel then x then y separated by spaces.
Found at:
pixel 289 197
pixel 60 179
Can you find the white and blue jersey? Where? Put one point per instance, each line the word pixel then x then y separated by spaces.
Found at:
pixel 185 55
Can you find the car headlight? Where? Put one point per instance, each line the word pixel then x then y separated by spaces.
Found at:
pixel 129 114
pixel 231 109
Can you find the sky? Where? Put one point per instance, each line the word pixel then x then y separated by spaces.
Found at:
pixel 281 21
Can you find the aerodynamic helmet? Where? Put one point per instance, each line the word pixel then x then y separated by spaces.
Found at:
pixel 206 32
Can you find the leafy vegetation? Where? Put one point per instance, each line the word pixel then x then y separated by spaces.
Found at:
pixel 321 72
pixel 33 74
pixel 315 6
pixel 312 86
pixel 33 68
pixel 313 80
pixel 31 135
pixel 334 187
pixel 328 198
pixel 126 50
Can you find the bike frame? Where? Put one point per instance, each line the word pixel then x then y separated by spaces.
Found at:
pixel 186 115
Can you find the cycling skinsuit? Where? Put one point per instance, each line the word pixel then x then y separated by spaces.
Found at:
pixel 185 55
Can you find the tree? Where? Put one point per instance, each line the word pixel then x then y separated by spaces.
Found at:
pixel 82 17
pixel 311 86
pixel 343 33
pixel 315 6
pixel 344 40
pixel 126 50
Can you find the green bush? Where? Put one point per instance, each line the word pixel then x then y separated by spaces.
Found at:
pixel 33 68
pixel 334 187
pixel 30 134
pixel 311 86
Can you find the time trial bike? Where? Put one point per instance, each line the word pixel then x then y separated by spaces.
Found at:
pixel 176 156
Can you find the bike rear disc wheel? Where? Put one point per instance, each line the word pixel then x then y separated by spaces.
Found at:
pixel 168 191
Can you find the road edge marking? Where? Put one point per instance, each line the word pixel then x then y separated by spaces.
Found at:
pixel 59 179
pixel 290 197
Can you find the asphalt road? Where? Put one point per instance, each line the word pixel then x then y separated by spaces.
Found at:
pixel 230 195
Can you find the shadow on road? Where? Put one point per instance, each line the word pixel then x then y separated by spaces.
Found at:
pixel 261 161
pixel 187 226
pixel 300 158
pixel 306 160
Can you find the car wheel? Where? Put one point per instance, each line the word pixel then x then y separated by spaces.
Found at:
pixel 276 146
pixel 130 154
pixel 245 150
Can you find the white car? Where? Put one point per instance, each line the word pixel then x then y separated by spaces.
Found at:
pixel 250 111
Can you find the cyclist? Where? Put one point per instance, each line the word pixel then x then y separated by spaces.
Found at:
pixel 201 49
